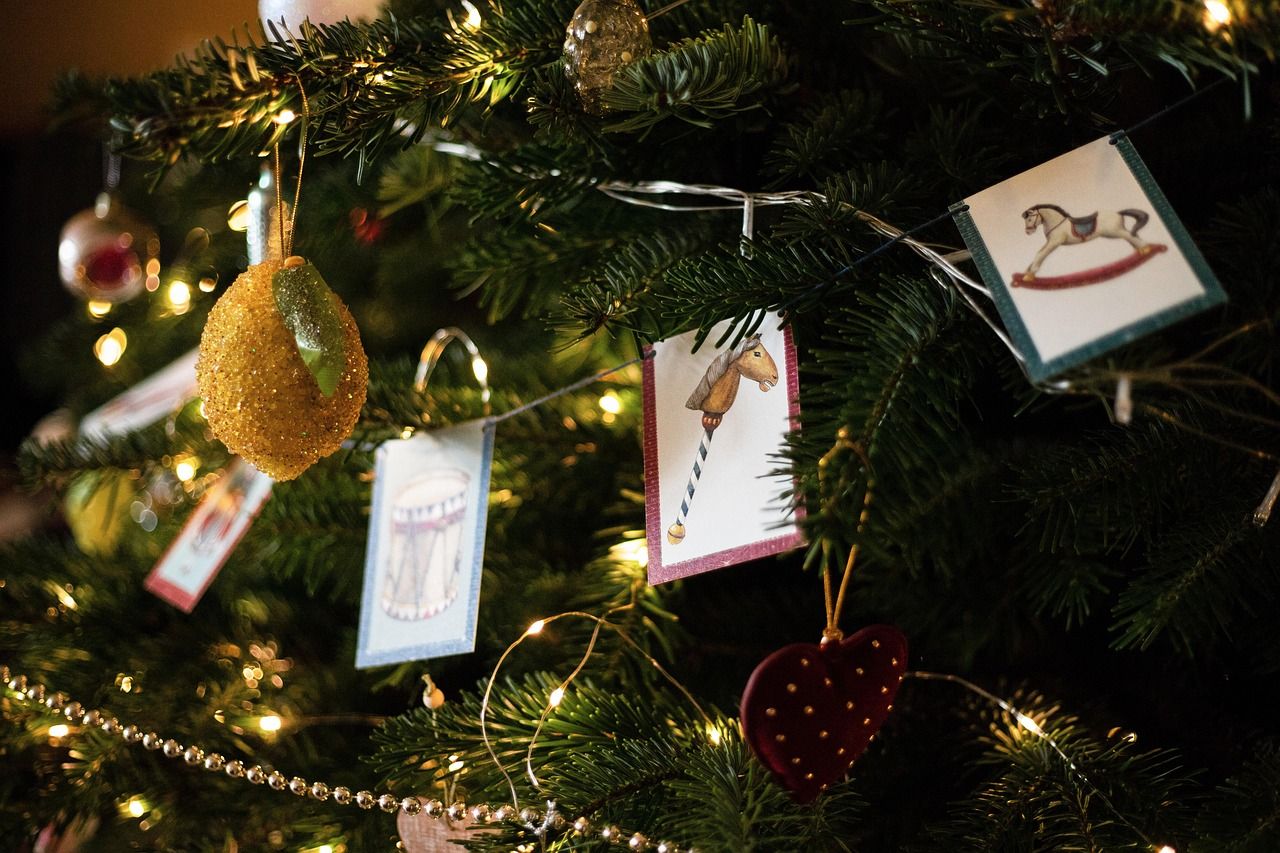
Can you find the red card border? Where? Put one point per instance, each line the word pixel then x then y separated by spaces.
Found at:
pixel 660 572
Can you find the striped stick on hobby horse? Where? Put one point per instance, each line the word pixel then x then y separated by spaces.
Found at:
pixel 714 396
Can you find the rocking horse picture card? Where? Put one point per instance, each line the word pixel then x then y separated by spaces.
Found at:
pixel 714 503
pixel 1083 254
pixel 426 545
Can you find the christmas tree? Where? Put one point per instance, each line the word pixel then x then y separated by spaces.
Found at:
pixel 1083 565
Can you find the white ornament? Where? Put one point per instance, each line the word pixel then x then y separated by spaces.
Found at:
pixel 317 11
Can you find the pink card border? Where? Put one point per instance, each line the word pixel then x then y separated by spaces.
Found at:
pixel 660 572
pixel 173 594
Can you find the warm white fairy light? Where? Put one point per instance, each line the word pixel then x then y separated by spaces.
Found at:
pixel 98 310
pixel 473 20
pixel 65 598
pixel 535 628
pixel 270 723
pixel 631 551
pixel 1029 724
pixel 285 116
pixel 1167 849
pixel 557 696
pixel 60 730
pixel 480 368
pixel 179 294
pixel 136 806
pixel 611 403
pixel 185 468
pixel 110 347
pixel 1216 14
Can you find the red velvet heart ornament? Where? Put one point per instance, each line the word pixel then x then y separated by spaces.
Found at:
pixel 809 711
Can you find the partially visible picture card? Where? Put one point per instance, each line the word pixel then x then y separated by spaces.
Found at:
pixel 1083 254
pixel 715 424
pixel 202 547
pixel 426 545
pixel 156 397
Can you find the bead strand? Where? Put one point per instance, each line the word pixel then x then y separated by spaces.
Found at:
pixel 542 823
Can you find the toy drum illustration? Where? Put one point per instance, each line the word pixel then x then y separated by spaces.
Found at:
pixel 423 568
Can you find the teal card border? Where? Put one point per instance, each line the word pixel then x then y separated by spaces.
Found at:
pixel 1039 369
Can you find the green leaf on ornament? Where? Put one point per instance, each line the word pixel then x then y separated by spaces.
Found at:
pixel 307 306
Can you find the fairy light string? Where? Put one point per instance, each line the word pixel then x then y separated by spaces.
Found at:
pixel 541 823
pixel 1028 723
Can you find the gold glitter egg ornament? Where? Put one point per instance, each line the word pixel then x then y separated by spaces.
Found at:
pixel 281 370
pixel 603 36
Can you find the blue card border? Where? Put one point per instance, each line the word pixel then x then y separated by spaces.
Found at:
pixel 1036 367
pixel 426 651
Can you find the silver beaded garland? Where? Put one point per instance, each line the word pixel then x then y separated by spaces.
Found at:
pixel 257 775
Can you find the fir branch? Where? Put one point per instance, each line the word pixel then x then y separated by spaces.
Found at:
pixel 1244 814
pixel 1202 574
pixel 699 80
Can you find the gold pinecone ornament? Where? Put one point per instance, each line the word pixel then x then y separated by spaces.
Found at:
pixel 261 398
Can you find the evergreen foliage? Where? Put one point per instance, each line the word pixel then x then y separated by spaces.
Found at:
pixel 1018 536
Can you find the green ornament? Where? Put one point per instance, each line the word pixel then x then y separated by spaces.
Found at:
pixel 307 306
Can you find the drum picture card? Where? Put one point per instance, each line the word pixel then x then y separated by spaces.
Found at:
pixel 715 425
pixel 426 545
pixel 223 516
pixel 1083 254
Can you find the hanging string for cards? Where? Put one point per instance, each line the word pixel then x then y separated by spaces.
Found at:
pixel 557 694
pixel 834 603
pixel 286 233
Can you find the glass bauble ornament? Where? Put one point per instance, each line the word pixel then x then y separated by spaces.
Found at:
pixel 106 253
pixel 603 36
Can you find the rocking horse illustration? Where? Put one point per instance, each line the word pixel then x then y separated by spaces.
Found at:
pixel 1063 229
pixel 714 396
